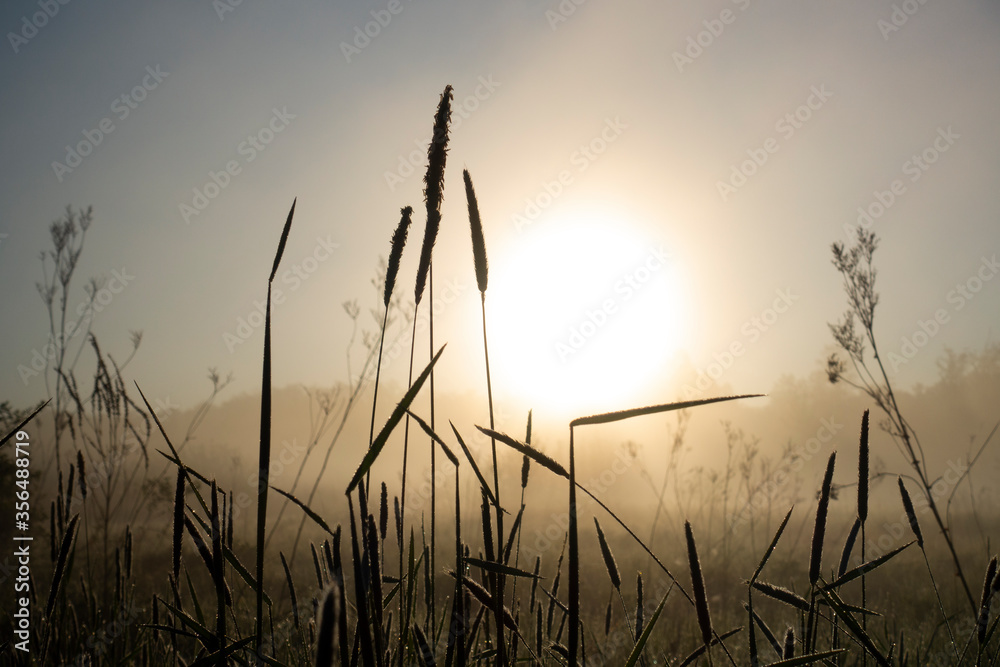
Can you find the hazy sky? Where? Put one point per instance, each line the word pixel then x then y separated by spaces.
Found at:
pixel 652 178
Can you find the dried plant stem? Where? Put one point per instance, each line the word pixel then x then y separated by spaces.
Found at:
pixel 574 558
pixel 499 593
pixel 378 373
pixel 403 630
pixel 937 595
pixel 433 564
pixel 863 480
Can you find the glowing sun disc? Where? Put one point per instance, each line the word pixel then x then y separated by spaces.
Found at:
pixel 584 313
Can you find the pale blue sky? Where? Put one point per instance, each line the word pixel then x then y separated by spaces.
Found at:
pixel 552 87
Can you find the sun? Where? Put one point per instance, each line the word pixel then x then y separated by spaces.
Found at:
pixel 585 313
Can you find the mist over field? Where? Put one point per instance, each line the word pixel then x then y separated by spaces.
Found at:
pixel 806 416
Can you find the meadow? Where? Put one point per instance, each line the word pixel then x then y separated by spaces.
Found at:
pixel 148 550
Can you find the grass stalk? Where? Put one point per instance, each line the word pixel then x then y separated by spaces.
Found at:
pixel 392 270
pixel 863 481
pixel 264 458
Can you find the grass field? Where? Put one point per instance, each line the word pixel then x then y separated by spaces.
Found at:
pixel 143 553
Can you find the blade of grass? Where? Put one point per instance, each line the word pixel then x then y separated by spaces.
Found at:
pixel 698 586
pixel 264 458
pixel 698 652
pixel 475 468
pixel 609 417
pixel 633 657
pixel 24 422
pixel 855 628
pixel 770 547
pixel 759 622
pixel 394 418
pixel 305 508
pixel 819 529
pixel 490 566
pixel 866 567
pixel 808 659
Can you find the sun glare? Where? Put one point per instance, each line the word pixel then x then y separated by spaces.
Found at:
pixel 584 313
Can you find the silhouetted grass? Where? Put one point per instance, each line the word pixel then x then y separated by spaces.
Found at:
pixel 372 611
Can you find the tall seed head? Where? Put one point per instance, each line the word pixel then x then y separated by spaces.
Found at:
pixel 863 470
pixel 639 602
pixel 178 522
pixel 534 581
pixel 911 515
pixel 399 519
pixel 82 479
pixel 698 586
pixel 437 154
pixel 526 464
pixel 789 644
pixel 396 252
pixel 819 530
pixel 609 558
pixel 478 241
pixel 327 641
pixel 383 513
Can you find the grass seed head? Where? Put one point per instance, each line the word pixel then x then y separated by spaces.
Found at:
pixel 609 559
pixel 789 651
pixel 819 530
pixel 698 586
pixel 863 470
pixel 478 241
pixel 437 154
pixel 911 515
pixel 396 252
pixel 82 478
pixel 383 513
